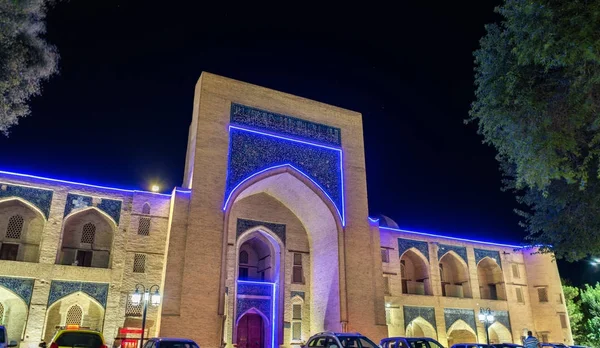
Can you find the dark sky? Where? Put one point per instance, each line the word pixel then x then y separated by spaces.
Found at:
pixel 119 111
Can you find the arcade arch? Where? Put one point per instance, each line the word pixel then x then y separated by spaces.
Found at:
pixel 420 327
pixel 461 332
pixel 21 227
pixel 491 280
pixel 454 275
pixel 73 308
pixel 14 314
pixel 414 271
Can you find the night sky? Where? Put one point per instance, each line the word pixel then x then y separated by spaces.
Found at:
pixel 118 113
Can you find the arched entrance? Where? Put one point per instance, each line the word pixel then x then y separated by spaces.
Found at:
pixel 251 331
pixel 420 327
pixel 491 280
pixel 21 226
pixel 76 308
pixel 461 332
pixel 13 314
pixel 454 276
pixel 414 271
pixel 499 334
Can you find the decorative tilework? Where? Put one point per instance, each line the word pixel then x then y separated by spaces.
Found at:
pixel 40 198
pixel 460 251
pixel 244 225
pixel 23 287
pixel 60 289
pixel 405 244
pixel 502 317
pixel 254 289
pixel 297 293
pixel 493 254
pixel 109 206
pixel 250 153
pixel 451 315
pixel 244 304
pixel 427 313
pixel 270 121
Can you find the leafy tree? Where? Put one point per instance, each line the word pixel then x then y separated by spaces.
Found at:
pixel 26 59
pixel 573 304
pixel 537 102
pixel 590 305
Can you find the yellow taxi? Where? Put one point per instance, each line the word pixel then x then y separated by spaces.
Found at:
pixel 74 336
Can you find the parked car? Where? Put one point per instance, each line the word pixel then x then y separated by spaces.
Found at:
pixel 554 345
pixel 579 347
pixel 4 343
pixel 170 342
pixel 470 345
pixel 506 345
pixel 410 342
pixel 330 339
pixel 75 336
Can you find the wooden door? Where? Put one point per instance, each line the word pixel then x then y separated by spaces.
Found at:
pixel 250 331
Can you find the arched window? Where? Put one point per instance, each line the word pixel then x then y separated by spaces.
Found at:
pixel 74 315
pixel 1 314
pixel 146 208
pixel 15 226
pixel 88 235
pixel 244 257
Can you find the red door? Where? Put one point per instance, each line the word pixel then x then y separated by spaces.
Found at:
pixel 250 331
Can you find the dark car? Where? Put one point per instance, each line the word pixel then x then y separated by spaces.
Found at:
pixel 170 342
pixel 409 342
pixel 330 339
pixel 554 345
pixel 470 345
pixel 506 345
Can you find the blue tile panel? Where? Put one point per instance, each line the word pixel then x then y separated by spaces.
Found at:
pixel 460 251
pixel 482 253
pixel 109 206
pixel 250 153
pixel 502 317
pixel 254 289
pixel 262 305
pixel 285 125
pixel 40 198
pixel 60 289
pixel 244 225
pixel 297 293
pixel 405 244
pixel 451 315
pixel 427 313
pixel 22 287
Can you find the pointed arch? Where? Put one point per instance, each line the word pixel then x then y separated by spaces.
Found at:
pixel 419 327
pixel 491 279
pixel 499 333
pixel 454 275
pixel 15 313
pixel 146 208
pixel 92 313
pixel 74 315
pixel 21 228
pixel 416 279
pixel 461 332
pixel 27 204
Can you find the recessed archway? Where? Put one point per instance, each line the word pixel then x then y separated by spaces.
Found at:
pixel 454 276
pixel 21 228
pixel 14 314
pixel 414 272
pixel 420 327
pixel 67 308
pixel 491 280
pixel 461 332
pixel 499 334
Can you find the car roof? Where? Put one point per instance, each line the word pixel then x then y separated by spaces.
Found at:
pixel 407 338
pixel 172 339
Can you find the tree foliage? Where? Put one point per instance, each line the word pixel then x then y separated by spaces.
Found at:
pixel 537 102
pixel 583 307
pixel 26 59
pixel 574 311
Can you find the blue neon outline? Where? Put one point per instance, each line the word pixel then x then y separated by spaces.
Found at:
pixel 373 220
pixel 78 183
pixel 299 171
pixel 284 138
pixel 273 305
pixel 454 238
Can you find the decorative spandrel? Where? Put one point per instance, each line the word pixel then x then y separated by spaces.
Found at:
pixel 460 251
pixel 480 254
pixel 405 244
pixel 23 287
pixel 40 198
pixel 60 289
pixel 111 207
pixel 413 312
pixel 244 225
pixel 502 317
pixel 451 315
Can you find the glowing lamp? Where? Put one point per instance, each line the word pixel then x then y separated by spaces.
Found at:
pixel 490 318
pixel 155 188
pixel 387 305
pixel 155 298
pixel 481 317
pixel 136 298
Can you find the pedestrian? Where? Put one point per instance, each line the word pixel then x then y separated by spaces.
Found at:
pixel 530 341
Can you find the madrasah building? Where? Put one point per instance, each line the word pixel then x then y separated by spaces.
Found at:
pixel 267 241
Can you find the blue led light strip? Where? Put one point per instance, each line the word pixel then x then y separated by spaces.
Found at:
pixel 79 183
pixel 452 238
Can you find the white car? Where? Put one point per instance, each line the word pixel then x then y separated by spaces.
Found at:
pixel 4 339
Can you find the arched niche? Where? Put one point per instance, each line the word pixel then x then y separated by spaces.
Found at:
pixel 499 334
pixel 14 316
pixel 259 256
pixel 420 327
pixel 491 280
pixel 21 229
pixel 92 315
pixel 414 273
pixel 461 332
pixel 87 239
pixel 454 276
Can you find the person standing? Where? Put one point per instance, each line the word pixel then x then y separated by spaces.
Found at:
pixel 530 341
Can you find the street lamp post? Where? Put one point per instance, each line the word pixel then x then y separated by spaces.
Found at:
pixel 487 318
pixel 144 296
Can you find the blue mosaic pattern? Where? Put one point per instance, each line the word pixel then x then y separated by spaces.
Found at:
pixel 244 225
pixel 23 287
pixel 250 153
pixel 405 244
pixel 40 198
pixel 277 123
pixel 297 293
pixel 451 315
pixel 60 289
pixel 244 304
pixel 254 289
pixel 482 253
pixel 460 251
pixel 411 313
pixel 109 206
pixel 502 317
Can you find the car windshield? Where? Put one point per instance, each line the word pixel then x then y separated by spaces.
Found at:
pixel 356 342
pixel 175 344
pixel 79 339
pixel 421 343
